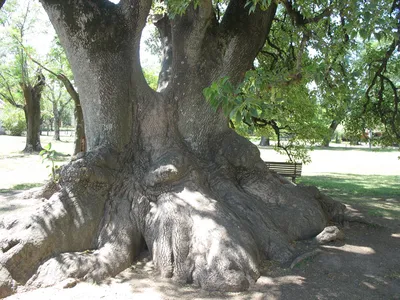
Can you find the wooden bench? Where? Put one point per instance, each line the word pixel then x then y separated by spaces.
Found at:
pixel 285 169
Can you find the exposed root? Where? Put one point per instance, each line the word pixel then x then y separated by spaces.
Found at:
pixel 191 242
pixel 201 224
pixel 87 265
pixel 304 256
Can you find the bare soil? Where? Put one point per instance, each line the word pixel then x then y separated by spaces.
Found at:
pixel 365 265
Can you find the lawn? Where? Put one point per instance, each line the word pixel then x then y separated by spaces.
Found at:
pixel 19 171
pixel 378 195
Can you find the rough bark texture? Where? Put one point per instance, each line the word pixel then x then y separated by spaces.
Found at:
pixel 80 141
pixel 162 170
pixel 32 96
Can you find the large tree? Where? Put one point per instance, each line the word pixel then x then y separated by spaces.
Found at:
pixel 163 171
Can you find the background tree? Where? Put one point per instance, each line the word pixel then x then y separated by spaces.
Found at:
pixel 163 171
pixel 20 85
pixel 59 99
pixel 61 71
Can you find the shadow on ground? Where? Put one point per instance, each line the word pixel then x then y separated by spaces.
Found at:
pixel 365 265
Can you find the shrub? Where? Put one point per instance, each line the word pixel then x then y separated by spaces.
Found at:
pixel 13 120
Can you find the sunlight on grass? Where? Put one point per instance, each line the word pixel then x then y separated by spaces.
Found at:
pixel 21 186
pixel 378 194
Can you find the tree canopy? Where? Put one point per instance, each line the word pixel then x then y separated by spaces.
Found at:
pixel 323 63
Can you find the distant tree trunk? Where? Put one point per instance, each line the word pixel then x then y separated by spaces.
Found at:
pixel 80 139
pixel 328 138
pixel 264 141
pixel 57 121
pixel 32 96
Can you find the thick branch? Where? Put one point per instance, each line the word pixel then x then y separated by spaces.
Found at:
pixel 380 70
pixel 92 25
pixel 163 25
pixel 244 35
pixel 299 19
pixel 190 34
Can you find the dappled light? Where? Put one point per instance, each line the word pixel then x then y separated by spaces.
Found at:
pixel 352 249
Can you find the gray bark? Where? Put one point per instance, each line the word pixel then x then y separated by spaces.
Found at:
pixel 57 121
pixel 264 141
pixel 162 170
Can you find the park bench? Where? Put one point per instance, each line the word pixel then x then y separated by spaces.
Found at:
pixel 285 169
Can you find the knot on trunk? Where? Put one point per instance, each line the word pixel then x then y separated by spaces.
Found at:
pixel 236 150
pixel 168 168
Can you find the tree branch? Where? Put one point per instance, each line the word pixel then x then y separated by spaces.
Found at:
pixel 163 24
pixel 190 33
pixel 64 79
pixel 10 98
pixel 299 19
pixel 380 71
pixel 244 34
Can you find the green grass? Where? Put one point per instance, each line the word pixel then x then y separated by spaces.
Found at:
pixel 358 148
pixel 378 195
pixel 19 187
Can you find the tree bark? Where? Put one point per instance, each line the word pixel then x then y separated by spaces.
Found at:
pixel 80 141
pixel 264 141
pixel 57 121
pixel 162 171
pixel 32 96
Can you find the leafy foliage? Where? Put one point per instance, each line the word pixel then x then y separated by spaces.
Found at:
pixel 49 155
pixel 151 78
pixel 323 63
pixel 13 120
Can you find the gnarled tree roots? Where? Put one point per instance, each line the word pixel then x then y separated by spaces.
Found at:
pixel 210 225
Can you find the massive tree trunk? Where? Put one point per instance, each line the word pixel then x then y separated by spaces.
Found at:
pixel 162 170
pixel 32 97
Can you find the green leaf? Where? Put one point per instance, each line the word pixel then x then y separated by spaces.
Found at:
pixel 253 112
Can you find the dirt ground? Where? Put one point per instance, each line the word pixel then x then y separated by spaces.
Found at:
pixel 365 265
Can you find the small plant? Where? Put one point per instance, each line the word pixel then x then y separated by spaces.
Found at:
pixel 49 155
